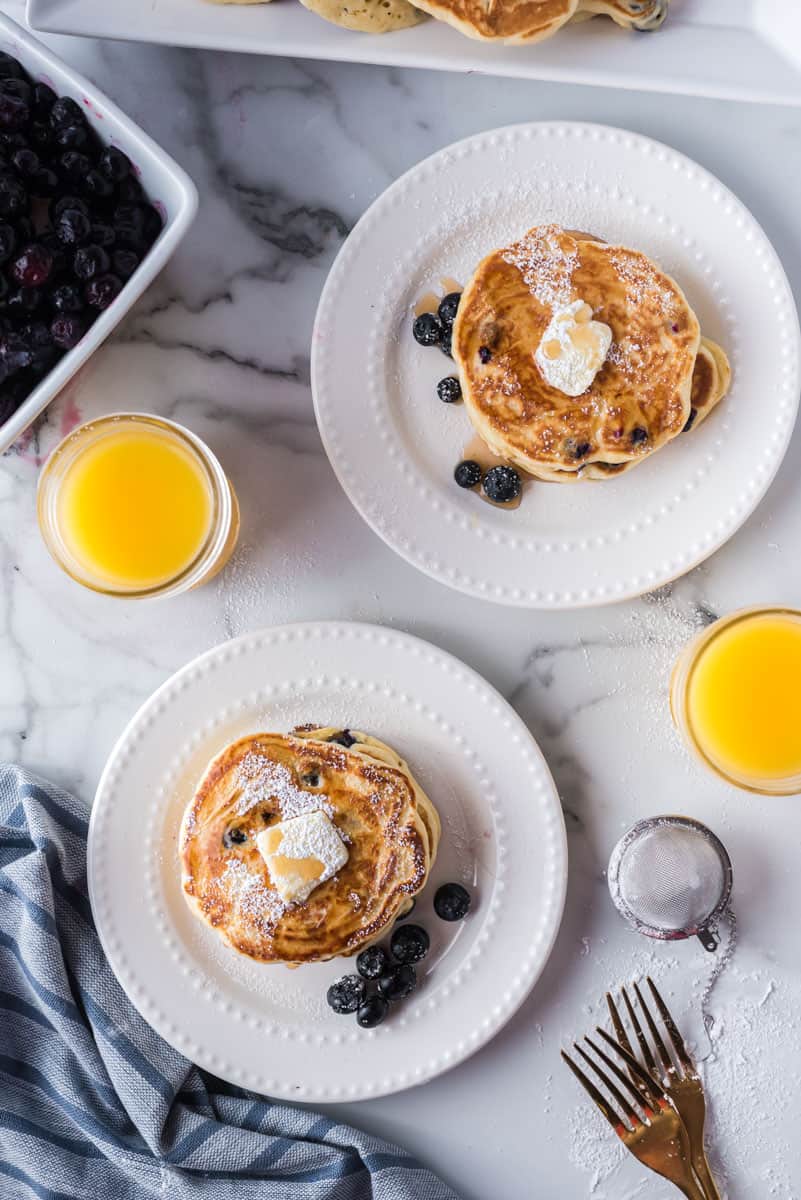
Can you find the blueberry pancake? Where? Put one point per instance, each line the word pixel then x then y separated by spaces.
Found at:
pixel 504 20
pixel 367 16
pixel 300 847
pixel 575 355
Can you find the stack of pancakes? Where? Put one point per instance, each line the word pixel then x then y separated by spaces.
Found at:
pixel 488 20
pixel 389 826
pixel 660 377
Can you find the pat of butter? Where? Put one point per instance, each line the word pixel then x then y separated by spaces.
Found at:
pixel 573 348
pixel 301 853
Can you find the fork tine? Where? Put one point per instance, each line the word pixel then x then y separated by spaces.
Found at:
pixel 672 1028
pixel 655 1088
pixel 629 1112
pixel 645 1049
pixel 612 1117
pixel 628 1081
pixel 661 1048
pixel 620 1029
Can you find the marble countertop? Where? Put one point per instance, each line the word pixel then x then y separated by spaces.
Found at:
pixel 286 156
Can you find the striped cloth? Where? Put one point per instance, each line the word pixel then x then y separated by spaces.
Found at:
pixel 93 1104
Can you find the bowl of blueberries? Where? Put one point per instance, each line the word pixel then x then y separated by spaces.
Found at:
pixel 90 211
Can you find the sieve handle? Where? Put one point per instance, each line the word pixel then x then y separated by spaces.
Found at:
pixel 708 939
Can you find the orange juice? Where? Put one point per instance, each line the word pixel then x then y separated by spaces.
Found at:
pixel 737 697
pixel 131 505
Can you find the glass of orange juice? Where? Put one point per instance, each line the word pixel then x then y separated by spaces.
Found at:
pixel 134 505
pixel 736 698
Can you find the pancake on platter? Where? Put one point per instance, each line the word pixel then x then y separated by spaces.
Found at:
pixel 642 15
pixel 505 20
pixel 639 396
pixel 367 16
pixel 299 847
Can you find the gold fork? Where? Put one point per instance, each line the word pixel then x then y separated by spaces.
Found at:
pixel 682 1083
pixel 652 1129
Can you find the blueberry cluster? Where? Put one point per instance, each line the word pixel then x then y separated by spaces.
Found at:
pixel 74 225
pixel 384 977
pixel 436 329
pixel 500 484
pixel 388 976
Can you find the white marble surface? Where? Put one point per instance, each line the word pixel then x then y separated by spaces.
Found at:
pixel 286 156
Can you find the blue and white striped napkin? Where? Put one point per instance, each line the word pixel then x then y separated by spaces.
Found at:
pixel 92 1102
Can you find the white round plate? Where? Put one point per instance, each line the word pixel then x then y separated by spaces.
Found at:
pixel 394 445
pixel 266 1027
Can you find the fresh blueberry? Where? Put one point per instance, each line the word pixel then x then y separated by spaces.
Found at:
pixel 124 262
pixel 90 261
pixel 96 186
pixel 64 111
pixel 32 267
pixel 129 191
pixel 398 982
pixel 13 196
pixel 448 306
pixel 103 235
pixel 14 112
pixel 372 1012
pixel 446 341
pixel 67 299
pixel 67 330
pixel 468 474
pixel 73 166
pixel 72 137
pixel 502 484
pixel 449 390
pixel 114 164
pixel 343 738
pixel 427 330
pixel 73 227
pixel 43 99
pixel 346 995
pixel 103 291
pixel 9 67
pixel 68 201
pixel 638 435
pixel 372 962
pixel 452 902
pixel 409 943
pixel 234 837
pixel 26 161
pixel 484 354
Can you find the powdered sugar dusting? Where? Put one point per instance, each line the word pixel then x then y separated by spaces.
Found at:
pixel 263 780
pixel 546 267
pixel 642 282
pixel 260 904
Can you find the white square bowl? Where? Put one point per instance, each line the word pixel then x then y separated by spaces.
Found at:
pixel 166 184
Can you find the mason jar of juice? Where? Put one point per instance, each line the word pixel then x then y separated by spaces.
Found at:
pixel 134 505
pixel 736 698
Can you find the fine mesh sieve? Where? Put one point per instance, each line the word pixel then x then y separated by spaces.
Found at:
pixel 670 877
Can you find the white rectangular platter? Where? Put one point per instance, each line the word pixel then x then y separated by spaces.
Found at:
pixel 734 49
